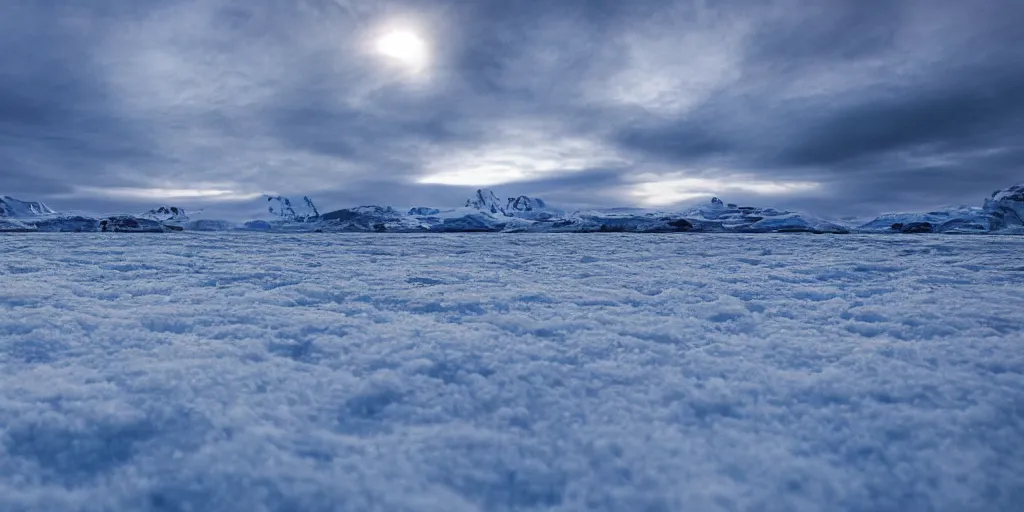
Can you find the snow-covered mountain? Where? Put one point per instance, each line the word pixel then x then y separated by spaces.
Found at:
pixel 12 208
pixel 26 216
pixel 29 216
pixel 166 214
pixel 523 207
pixel 283 208
pixel 486 200
pixel 486 211
pixel 1009 204
pixel 1002 212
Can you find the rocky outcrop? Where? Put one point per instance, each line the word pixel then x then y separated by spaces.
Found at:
pixel 257 225
pixel 618 222
pixel 524 204
pixel 421 211
pixel 130 224
pixel 283 208
pixel 166 214
pixel 915 227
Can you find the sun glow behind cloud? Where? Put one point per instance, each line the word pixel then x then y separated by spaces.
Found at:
pixel 661 191
pixel 164 193
pixel 522 154
pixel 404 46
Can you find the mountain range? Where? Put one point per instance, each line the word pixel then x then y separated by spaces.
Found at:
pixel 1001 213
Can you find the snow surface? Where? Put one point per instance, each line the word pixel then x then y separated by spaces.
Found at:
pixel 511 372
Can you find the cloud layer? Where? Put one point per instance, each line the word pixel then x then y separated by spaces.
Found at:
pixel 849 107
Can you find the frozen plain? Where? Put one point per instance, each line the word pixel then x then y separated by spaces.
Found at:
pixel 511 372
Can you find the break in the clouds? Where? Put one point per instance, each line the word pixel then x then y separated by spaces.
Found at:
pixel 845 106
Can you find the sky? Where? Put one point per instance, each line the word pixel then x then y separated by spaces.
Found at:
pixel 836 107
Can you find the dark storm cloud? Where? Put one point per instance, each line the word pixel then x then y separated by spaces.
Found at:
pixel 969 115
pixel 356 133
pixel 881 103
pixel 681 140
pixel 821 33
pixel 57 127
pixel 937 125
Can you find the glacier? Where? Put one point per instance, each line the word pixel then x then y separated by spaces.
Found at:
pixel 545 372
pixel 1001 213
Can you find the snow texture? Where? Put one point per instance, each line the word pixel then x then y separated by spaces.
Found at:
pixel 613 372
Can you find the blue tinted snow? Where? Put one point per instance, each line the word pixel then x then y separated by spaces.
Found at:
pixel 537 372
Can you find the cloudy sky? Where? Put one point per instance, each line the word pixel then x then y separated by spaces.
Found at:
pixel 851 107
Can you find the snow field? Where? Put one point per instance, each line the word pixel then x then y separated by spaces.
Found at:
pixel 511 372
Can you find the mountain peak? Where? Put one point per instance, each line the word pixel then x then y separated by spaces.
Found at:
pixel 524 207
pixel 524 204
pixel 286 210
pixel 1008 203
pixel 486 200
pixel 166 213
pixel 14 208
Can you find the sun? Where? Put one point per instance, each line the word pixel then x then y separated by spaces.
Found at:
pixel 405 47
